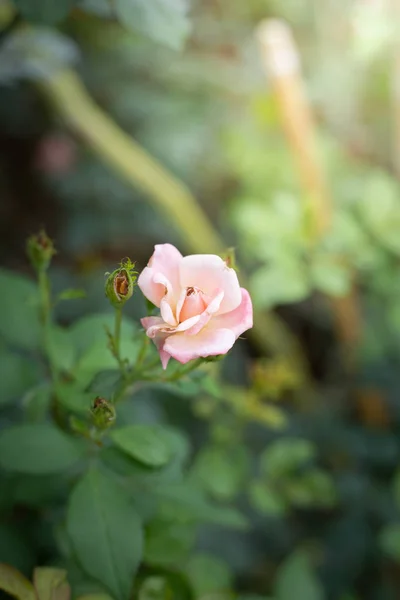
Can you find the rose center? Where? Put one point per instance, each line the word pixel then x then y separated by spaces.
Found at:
pixel 194 304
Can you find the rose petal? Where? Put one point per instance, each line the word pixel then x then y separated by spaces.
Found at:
pixel 211 309
pixel 209 272
pixel 163 269
pixel 209 342
pixel 238 320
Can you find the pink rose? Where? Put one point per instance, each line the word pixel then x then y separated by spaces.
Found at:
pixel 203 308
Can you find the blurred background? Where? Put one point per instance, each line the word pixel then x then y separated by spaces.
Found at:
pixel 273 128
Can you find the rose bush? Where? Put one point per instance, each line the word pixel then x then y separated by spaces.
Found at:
pixel 203 309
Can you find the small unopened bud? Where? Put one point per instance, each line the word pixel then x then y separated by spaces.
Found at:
pixel 120 283
pixel 103 413
pixel 40 250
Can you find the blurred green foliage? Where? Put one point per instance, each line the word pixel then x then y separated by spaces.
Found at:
pixel 309 512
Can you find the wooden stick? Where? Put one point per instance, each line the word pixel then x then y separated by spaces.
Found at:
pixel 282 64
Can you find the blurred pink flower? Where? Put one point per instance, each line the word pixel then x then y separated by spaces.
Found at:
pixel 203 308
pixel 55 153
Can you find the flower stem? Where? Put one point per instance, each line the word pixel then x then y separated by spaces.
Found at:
pixel 45 309
pixel 188 368
pixel 117 339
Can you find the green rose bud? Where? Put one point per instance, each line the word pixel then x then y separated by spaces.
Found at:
pixel 103 413
pixel 40 250
pixel 120 283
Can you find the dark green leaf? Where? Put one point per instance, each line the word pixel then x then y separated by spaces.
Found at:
pixel 208 574
pixel 286 455
pixel 223 470
pixel 168 542
pixel 37 448
pixel 17 375
pixel 145 443
pixel 163 21
pixel 266 500
pixel 105 532
pixel 61 348
pixel 297 579
pixel 44 11
pixel 15 549
pixel 19 315
pixel 15 584
pixel 389 541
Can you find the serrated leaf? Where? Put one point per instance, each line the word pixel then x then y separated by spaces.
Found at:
pixel 105 532
pixel 37 449
pixel 15 584
pixel 145 443
pixel 163 21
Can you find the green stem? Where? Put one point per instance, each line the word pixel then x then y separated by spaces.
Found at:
pixel 45 307
pixel 191 366
pixel 117 339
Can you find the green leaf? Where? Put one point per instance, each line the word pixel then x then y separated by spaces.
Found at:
pixel 19 315
pixel 330 277
pixel 222 470
pixel 44 11
pixel 94 597
pixel 71 294
pixel 105 532
pixel 145 443
pixel 168 542
pixel 37 403
pixel 285 456
pixel 155 588
pixel 37 449
pixel 17 375
pixel 73 398
pixel 266 500
pixel 15 584
pixel 296 579
pixel 35 53
pixel 163 21
pixel 279 284
pixel 190 504
pixel 15 549
pixel 389 541
pixel 61 348
pixel 90 340
pixel 208 574
pixel 50 583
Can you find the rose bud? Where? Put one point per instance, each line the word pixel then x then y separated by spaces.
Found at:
pixel 40 250
pixel 120 284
